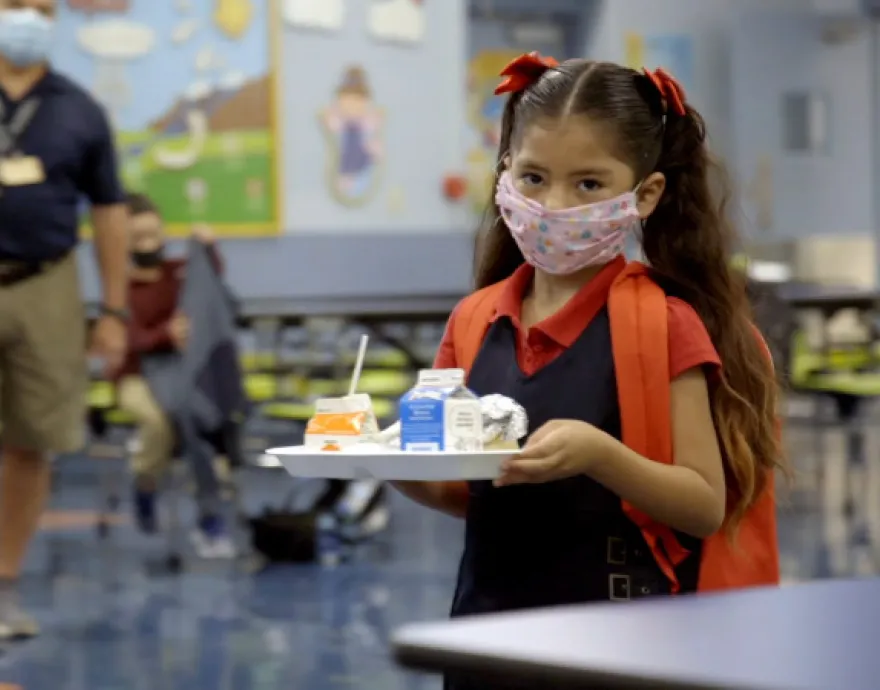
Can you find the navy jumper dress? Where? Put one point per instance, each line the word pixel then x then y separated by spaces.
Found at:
pixel 562 542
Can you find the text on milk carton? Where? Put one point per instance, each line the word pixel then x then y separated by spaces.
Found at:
pixel 441 414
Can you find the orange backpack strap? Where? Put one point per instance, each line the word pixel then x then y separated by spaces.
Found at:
pixel 639 339
pixel 471 321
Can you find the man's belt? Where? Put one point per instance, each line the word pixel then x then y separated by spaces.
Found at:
pixel 13 271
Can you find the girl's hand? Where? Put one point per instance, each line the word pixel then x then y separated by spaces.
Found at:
pixel 560 449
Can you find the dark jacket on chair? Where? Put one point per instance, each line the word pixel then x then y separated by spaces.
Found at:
pixel 201 388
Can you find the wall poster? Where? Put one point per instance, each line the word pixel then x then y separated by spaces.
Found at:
pixel 354 127
pixel 397 21
pixel 484 110
pixel 190 90
pixel 673 52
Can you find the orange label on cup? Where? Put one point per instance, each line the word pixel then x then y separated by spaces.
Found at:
pixel 336 424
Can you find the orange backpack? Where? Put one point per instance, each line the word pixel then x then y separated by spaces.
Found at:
pixel 637 314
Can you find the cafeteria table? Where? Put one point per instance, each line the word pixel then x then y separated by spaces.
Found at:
pixel 829 299
pixel 817 636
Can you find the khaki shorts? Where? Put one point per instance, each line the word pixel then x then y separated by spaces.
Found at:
pixel 43 368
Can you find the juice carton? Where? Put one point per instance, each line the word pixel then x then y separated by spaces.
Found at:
pixel 441 414
pixel 341 422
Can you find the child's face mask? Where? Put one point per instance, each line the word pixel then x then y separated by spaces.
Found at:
pixel 566 241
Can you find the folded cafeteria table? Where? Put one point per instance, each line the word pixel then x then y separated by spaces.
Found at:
pixel 818 636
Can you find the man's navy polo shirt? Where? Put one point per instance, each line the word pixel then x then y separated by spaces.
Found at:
pixel 71 136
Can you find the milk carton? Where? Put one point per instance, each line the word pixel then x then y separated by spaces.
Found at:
pixel 341 422
pixel 441 414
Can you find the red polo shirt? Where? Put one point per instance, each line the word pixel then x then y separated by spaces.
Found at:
pixel 152 304
pixel 689 342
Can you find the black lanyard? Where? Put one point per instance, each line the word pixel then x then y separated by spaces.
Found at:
pixel 11 131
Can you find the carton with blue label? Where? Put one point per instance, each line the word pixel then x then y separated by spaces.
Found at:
pixel 441 414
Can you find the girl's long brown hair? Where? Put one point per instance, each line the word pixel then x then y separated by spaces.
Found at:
pixel 687 242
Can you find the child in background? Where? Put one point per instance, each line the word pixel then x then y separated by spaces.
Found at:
pixel 157 326
pixel 653 441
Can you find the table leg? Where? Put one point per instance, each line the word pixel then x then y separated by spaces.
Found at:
pixel 848 409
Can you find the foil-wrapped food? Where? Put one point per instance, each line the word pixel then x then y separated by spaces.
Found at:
pixel 504 423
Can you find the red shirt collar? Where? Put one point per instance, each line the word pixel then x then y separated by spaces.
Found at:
pixel 566 325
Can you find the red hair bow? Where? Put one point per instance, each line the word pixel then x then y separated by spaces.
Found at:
pixel 523 72
pixel 669 87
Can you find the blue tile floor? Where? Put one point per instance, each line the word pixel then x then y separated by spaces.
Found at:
pixel 114 621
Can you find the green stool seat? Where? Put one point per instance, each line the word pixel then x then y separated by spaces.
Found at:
pixel 302 412
pixel 381 382
pixel 257 361
pixel 101 395
pixel 290 411
pixel 859 384
pixel 384 409
pixel 388 383
pixel 839 372
pixel 390 359
pixel 260 387
pixel 806 361
pixel 117 417
pixel 325 388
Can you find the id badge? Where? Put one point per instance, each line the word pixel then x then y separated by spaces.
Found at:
pixel 19 171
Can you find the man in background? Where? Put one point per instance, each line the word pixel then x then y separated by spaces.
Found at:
pixel 55 148
pixel 157 327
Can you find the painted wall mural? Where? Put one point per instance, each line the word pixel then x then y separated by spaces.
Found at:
pixel 190 90
pixel 674 52
pixel 484 118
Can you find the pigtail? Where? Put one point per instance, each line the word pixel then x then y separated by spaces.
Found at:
pixel 688 241
pixel 496 255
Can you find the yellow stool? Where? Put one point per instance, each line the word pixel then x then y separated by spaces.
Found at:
pixel 260 387
pixel 258 361
pixel 101 395
pixel 388 383
pixel 325 388
pixel 302 412
pixel 390 359
pixel 289 411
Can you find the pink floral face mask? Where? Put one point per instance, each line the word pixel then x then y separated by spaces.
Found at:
pixel 565 241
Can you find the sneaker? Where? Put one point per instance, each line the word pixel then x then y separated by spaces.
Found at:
pixel 211 540
pixel 145 510
pixel 15 624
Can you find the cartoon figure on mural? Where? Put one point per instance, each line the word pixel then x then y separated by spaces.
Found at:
pixel 353 124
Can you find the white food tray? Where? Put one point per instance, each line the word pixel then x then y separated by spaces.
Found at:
pixel 367 461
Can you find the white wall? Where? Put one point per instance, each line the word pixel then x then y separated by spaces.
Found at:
pixel 845 72
pixel 710 22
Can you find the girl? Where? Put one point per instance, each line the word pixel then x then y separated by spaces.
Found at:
pixel 649 468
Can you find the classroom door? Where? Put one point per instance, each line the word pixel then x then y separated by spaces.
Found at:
pixel 777 123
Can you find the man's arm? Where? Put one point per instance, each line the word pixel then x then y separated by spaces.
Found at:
pixel 100 183
pixel 111 253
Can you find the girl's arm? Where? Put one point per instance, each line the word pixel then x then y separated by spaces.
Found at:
pixel 689 495
pixel 447 497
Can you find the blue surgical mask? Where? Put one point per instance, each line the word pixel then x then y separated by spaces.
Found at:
pixel 25 36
